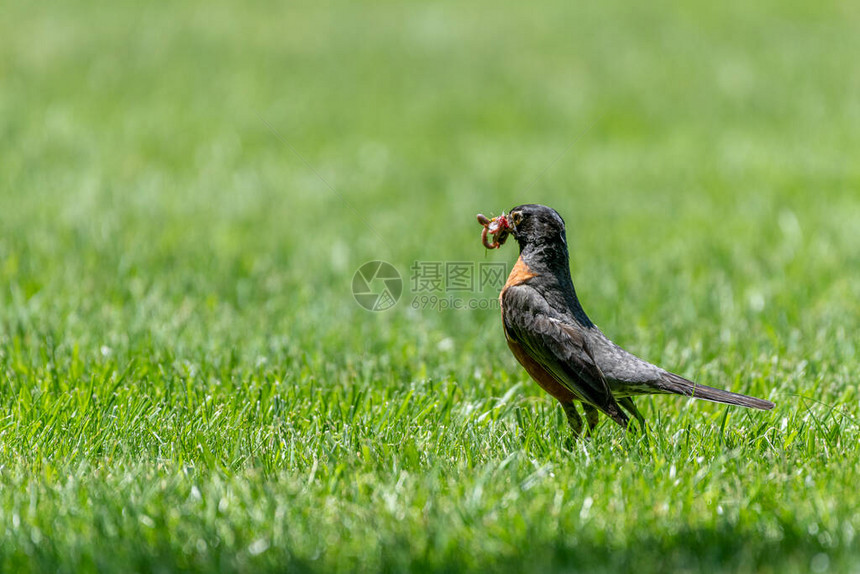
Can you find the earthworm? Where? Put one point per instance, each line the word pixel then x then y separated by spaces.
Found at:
pixel 499 223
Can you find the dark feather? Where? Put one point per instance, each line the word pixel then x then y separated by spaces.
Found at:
pixel 672 383
pixel 559 349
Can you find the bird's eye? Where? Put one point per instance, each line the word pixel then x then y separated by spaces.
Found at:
pixel 518 217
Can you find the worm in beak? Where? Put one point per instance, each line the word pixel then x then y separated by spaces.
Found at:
pixel 498 227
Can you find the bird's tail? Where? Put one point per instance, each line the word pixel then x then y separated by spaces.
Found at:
pixel 672 383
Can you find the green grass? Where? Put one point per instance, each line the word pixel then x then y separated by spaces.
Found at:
pixel 186 382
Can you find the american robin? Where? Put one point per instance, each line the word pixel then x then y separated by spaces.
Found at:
pixel 551 336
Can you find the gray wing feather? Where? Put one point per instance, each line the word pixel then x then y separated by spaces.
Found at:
pixel 559 347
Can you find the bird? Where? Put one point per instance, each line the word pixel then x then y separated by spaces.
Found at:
pixel 552 337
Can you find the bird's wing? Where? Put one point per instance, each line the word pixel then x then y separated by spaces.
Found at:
pixel 558 347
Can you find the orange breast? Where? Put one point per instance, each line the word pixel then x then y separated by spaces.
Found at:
pixel 519 274
pixel 541 376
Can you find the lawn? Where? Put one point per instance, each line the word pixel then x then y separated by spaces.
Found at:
pixel 187 189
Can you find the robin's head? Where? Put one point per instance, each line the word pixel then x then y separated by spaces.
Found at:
pixel 530 224
pixel 533 223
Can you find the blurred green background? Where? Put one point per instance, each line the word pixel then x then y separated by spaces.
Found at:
pixel 187 188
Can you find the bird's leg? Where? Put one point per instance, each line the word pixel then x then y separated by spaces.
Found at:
pixel 573 418
pixel 630 407
pixel 591 416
